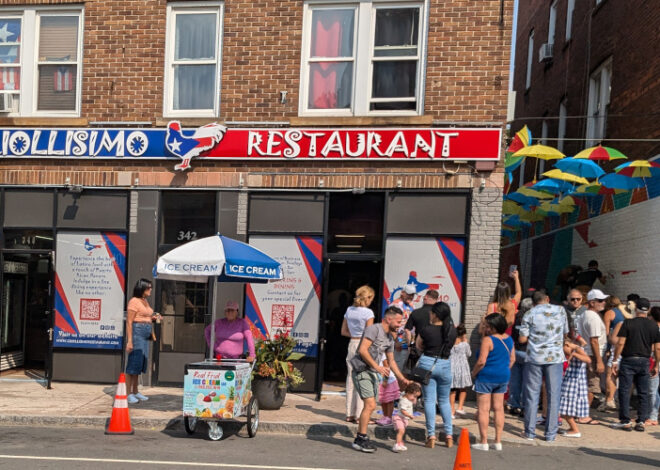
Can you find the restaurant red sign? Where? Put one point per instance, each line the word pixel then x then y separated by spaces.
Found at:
pixel 358 144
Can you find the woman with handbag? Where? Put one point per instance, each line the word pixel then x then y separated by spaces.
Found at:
pixel 433 370
pixel 491 376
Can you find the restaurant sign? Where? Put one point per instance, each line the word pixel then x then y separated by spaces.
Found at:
pixel 215 141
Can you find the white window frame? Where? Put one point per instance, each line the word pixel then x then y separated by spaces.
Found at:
pixel 363 57
pixel 600 83
pixel 561 129
pixel 29 58
pixel 552 22
pixel 570 7
pixel 530 59
pixel 173 9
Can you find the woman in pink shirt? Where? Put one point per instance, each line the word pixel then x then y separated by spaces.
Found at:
pixel 230 334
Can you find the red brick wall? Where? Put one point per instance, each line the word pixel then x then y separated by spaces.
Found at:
pixel 123 66
pixel 627 32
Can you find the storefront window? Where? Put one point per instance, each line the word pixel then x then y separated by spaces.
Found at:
pixel 355 224
pixel 184 306
pixel 186 216
pixel 29 239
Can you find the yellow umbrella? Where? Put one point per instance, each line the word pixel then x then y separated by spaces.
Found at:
pixel 532 216
pixel 560 175
pixel 540 151
pixel 526 191
pixel 567 201
pixel 510 207
pixel 558 208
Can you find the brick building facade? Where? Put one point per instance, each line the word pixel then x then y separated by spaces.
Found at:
pixel 597 83
pixel 117 66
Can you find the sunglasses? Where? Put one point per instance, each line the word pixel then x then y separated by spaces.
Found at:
pixel 575 299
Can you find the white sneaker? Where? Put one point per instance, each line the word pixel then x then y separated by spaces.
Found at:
pixel 497 446
pixel 132 399
pixel 461 412
pixel 480 447
pixel 141 397
pixel 399 448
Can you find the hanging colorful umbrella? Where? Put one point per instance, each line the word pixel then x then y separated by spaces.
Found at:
pixel 553 185
pixel 638 169
pixel 522 199
pixel 542 152
pixel 600 153
pixel 556 173
pixel 594 189
pixel 580 167
pixel 515 221
pixel 533 216
pixel 614 181
pixel 510 207
pixel 558 208
pixel 527 191
pixel 523 138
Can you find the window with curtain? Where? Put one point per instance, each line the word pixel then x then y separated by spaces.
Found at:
pixel 599 101
pixel 43 80
pixel 193 53
pixel 362 58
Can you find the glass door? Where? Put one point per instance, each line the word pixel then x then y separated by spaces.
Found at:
pixel 12 316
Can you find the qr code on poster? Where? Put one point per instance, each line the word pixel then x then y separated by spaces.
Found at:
pixel 282 316
pixel 90 309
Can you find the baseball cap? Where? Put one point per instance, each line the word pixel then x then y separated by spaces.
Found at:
pixel 410 289
pixel 231 304
pixel 643 305
pixel 596 294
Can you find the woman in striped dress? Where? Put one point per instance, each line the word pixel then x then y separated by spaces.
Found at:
pixel 574 390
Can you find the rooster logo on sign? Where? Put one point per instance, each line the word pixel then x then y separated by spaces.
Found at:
pixel 188 146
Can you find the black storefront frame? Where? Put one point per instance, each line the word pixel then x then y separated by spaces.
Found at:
pixel 318 385
pixel 55 229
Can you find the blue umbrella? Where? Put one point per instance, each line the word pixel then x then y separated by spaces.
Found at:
pixel 580 167
pixel 615 181
pixel 553 185
pixel 514 221
pixel 525 201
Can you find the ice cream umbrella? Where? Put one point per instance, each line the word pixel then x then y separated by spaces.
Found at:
pixel 556 173
pixel 638 169
pixel 580 167
pixel 600 153
pixel 615 181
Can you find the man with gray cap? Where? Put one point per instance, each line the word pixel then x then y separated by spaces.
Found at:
pixel 591 327
pixel 638 337
pixel 403 336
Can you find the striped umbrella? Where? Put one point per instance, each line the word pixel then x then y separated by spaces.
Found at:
pixel 600 153
pixel 638 169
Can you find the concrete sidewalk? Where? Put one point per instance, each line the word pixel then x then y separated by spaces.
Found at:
pixel 24 401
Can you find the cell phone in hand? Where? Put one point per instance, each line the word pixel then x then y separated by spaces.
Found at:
pixel 512 268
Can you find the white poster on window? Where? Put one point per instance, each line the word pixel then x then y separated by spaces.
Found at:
pixel 428 263
pixel 89 290
pixel 292 304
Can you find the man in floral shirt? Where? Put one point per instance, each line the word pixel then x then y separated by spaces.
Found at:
pixel 543 328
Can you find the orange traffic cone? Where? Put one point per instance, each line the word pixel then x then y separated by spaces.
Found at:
pixel 463 457
pixel 120 421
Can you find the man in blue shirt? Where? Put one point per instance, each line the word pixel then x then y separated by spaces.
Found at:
pixel 543 328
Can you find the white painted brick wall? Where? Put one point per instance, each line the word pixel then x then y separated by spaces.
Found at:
pixel 628 250
pixel 483 256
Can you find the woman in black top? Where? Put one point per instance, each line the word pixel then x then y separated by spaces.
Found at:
pixel 436 341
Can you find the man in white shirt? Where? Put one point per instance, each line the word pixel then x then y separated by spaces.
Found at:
pixel 591 327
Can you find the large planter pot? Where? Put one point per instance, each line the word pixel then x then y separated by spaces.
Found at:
pixel 268 393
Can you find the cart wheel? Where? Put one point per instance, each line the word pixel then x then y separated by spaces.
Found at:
pixel 215 430
pixel 252 417
pixel 190 424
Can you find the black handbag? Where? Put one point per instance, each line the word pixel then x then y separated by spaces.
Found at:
pixel 421 375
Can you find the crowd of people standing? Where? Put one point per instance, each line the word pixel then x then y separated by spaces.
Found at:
pixel 547 363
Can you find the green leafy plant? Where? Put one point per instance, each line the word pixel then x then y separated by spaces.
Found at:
pixel 273 359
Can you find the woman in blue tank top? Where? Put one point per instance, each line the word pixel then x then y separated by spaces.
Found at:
pixel 491 376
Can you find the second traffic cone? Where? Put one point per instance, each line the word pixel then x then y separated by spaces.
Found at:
pixel 120 421
pixel 463 457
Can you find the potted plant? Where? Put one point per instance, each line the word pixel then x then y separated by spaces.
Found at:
pixel 274 371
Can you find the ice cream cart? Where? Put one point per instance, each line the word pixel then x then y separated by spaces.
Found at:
pixel 216 391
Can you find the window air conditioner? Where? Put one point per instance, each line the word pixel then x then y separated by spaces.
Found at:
pixel 6 103
pixel 545 52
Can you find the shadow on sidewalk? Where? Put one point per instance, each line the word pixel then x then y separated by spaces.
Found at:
pixel 632 458
pixel 320 411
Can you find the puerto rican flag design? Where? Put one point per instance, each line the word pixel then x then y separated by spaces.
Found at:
pixel 63 79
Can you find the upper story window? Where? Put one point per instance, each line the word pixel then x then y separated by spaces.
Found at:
pixel 561 129
pixel 552 22
pixel 599 101
pixel 40 62
pixel 192 63
pixel 530 58
pixel 570 7
pixel 362 59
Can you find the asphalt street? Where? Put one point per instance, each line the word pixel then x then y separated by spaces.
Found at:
pixel 82 448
